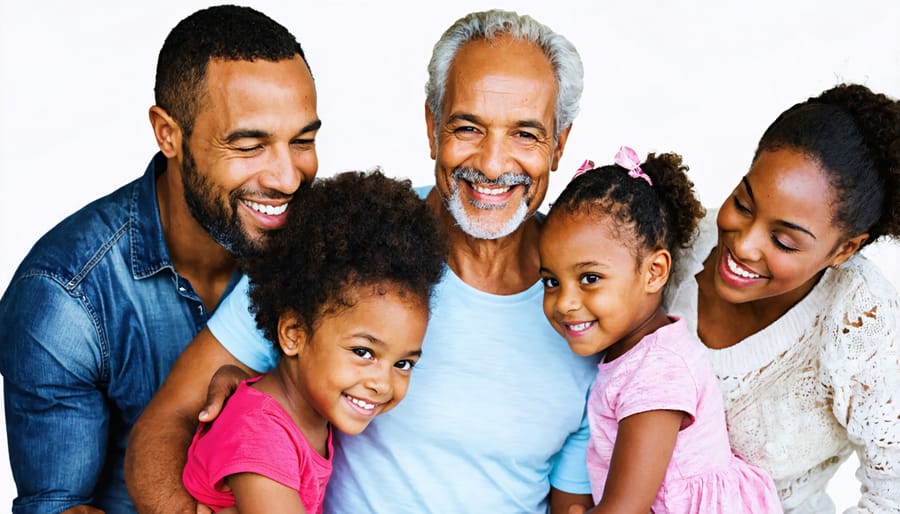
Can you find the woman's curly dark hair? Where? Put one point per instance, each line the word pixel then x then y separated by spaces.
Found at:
pixel 355 229
pixel 854 135
pixel 662 216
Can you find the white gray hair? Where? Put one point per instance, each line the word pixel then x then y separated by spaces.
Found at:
pixel 495 23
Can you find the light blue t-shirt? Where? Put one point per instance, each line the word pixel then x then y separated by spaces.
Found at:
pixel 493 417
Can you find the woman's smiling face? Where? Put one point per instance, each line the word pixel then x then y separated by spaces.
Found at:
pixel 776 230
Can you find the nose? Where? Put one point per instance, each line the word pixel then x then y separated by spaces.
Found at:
pixel 495 156
pixel 378 380
pixel 748 243
pixel 568 300
pixel 284 172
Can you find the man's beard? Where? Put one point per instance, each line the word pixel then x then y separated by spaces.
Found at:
pixel 474 226
pixel 213 215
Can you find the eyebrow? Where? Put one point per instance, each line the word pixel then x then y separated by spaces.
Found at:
pixel 246 134
pixel 783 223
pixel 580 265
pixel 471 118
pixel 261 134
pixel 379 342
pixel 312 126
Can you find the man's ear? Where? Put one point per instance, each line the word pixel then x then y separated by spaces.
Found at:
pixel 846 249
pixel 292 334
pixel 166 130
pixel 560 147
pixel 429 127
pixel 657 266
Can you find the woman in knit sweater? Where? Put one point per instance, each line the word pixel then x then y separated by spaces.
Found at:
pixel 802 329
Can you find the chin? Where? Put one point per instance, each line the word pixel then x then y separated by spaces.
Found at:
pixel 583 350
pixel 356 429
pixel 732 294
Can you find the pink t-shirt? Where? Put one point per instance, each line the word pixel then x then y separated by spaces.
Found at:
pixel 669 370
pixel 254 434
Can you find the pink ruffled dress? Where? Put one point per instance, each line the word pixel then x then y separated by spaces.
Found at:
pixel 669 370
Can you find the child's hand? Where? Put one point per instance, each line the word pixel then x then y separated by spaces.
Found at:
pixel 221 386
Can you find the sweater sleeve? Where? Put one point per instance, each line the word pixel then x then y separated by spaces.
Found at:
pixel 863 365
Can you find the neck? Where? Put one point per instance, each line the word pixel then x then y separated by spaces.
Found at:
pixel 502 266
pixel 655 320
pixel 283 385
pixel 195 255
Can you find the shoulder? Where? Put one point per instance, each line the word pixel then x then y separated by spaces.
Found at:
pixel 858 289
pixel 255 414
pixel 82 239
pixel 46 299
pixel 861 276
pixel 661 359
pixel 862 314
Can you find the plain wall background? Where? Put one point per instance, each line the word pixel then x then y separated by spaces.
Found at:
pixel 703 78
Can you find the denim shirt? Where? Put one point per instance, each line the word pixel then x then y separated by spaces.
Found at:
pixel 91 323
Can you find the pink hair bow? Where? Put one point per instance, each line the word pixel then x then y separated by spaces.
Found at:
pixel 585 166
pixel 628 159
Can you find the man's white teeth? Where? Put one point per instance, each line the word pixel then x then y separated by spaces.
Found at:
pixel 490 190
pixel 737 270
pixel 362 403
pixel 578 327
pixel 271 210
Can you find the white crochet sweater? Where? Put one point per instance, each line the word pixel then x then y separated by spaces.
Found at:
pixel 820 382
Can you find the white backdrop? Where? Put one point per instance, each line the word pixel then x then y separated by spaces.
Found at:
pixel 703 78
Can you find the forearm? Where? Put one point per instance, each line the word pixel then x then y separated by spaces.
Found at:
pixel 156 455
pixel 157 446
pixel 561 502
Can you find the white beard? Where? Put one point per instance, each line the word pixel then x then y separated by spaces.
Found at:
pixel 482 229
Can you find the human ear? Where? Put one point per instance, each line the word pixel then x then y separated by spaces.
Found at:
pixel 291 333
pixel 166 131
pixel 846 249
pixel 657 265
pixel 560 146
pixel 429 127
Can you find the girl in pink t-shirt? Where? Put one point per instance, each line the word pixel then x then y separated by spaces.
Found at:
pixel 658 436
pixel 343 291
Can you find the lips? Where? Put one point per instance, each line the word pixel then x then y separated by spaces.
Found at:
pixel 578 329
pixel 490 194
pixel 269 210
pixel 738 269
pixel 735 272
pixel 362 406
pixel 266 216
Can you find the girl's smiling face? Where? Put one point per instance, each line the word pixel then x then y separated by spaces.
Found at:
pixel 357 362
pixel 776 231
pixel 595 290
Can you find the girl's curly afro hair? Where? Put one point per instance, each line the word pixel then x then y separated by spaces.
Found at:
pixel 355 229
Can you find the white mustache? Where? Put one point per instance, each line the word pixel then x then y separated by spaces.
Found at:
pixel 476 176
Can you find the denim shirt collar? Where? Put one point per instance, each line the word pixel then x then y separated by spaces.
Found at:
pixel 149 253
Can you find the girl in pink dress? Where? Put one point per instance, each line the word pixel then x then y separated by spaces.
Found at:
pixel 343 291
pixel 658 436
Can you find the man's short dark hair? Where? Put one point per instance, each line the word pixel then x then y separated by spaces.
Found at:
pixel 226 32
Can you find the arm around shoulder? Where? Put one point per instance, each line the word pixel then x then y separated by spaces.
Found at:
pixel 157 447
